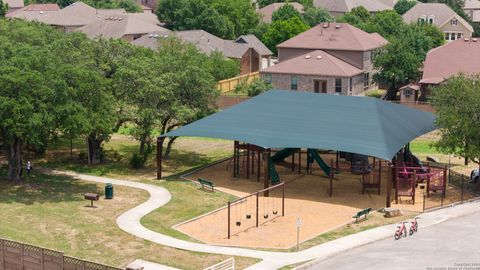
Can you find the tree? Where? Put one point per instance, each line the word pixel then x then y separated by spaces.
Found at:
pixel 357 16
pixel 3 9
pixel 286 12
pixel 34 93
pixel 305 3
pixel 387 23
pixel 221 67
pixel 315 15
pixel 254 88
pixel 402 6
pixel 223 18
pixel 280 31
pixel 397 63
pixel 456 106
pixel 194 87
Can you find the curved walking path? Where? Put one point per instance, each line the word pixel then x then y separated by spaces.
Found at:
pixel 159 196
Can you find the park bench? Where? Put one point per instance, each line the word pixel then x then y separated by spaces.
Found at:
pixel 206 184
pixel 359 214
pixel 91 197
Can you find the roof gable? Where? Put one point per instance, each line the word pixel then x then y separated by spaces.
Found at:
pixel 335 36
pixel 459 56
pixel 315 63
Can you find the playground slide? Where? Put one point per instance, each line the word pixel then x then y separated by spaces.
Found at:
pixel 274 177
pixel 283 154
pixel 313 153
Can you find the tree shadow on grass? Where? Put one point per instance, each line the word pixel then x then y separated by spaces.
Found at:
pixel 41 188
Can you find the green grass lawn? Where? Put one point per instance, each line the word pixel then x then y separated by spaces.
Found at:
pixel 188 201
pixel 187 153
pixel 50 211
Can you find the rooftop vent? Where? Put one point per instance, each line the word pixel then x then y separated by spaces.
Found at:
pixel 150 36
pixel 474 39
pixel 319 57
pixel 337 26
pixel 466 39
pixel 155 36
pixel 41 12
pixel 307 56
pixel 326 25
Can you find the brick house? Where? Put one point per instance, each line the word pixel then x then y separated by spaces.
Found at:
pixel 450 23
pixel 441 63
pixel 248 50
pixel 334 58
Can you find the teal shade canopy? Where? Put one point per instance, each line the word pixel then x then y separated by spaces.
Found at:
pixel 291 119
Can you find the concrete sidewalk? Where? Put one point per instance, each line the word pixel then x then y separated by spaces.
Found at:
pixel 130 223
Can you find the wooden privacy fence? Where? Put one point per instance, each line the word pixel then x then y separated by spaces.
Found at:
pixel 228 85
pixel 18 256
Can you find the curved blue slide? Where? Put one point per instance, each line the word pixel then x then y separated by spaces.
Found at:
pixel 315 156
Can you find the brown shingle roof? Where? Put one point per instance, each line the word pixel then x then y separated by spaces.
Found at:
pixel 35 12
pixel 450 59
pixel 343 6
pixel 80 14
pixel 440 12
pixel 267 11
pixel 315 63
pixel 121 25
pixel 208 43
pixel 335 36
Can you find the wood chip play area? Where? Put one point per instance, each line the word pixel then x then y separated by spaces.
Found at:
pixel 306 197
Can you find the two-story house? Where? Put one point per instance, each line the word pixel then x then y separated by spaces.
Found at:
pixel 339 7
pixel 334 58
pixel 452 25
pixel 248 50
pixel 472 9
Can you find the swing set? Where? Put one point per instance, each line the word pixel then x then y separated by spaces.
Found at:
pixel 253 205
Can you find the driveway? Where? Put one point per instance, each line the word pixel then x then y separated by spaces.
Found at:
pixel 452 245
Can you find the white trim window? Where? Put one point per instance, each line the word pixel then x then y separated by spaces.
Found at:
pixel 431 19
pixel 454 22
pixel 451 36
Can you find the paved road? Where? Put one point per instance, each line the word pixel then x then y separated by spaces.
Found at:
pixel 442 246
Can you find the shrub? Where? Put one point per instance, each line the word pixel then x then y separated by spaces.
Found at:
pixel 82 155
pixel 137 161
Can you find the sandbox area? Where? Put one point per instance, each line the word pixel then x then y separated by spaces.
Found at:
pixel 306 197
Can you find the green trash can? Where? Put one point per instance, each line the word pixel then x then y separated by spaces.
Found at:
pixel 108 191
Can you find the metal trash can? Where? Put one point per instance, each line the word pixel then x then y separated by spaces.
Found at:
pixel 109 191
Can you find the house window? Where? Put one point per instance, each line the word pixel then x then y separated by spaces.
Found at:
pixel 294 83
pixel 459 35
pixel 338 85
pixel 366 80
pixel 422 20
pixel 454 22
pixel 447 36
pixel 431 19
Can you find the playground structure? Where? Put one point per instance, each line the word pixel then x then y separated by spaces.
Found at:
pixel 250 207
pixel 278 125
pixel 407 177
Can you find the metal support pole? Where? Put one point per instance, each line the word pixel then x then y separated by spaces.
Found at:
pixel 293 160
pixel 258 166
pixel 248 161
pixel 463 185
pixel 283 200
pixel 159 156
pixel 389 185
pixel 256 213
pixel 300 161
pixel 266 183
pixel 228 229
pixel 424 198
pixel 336 160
